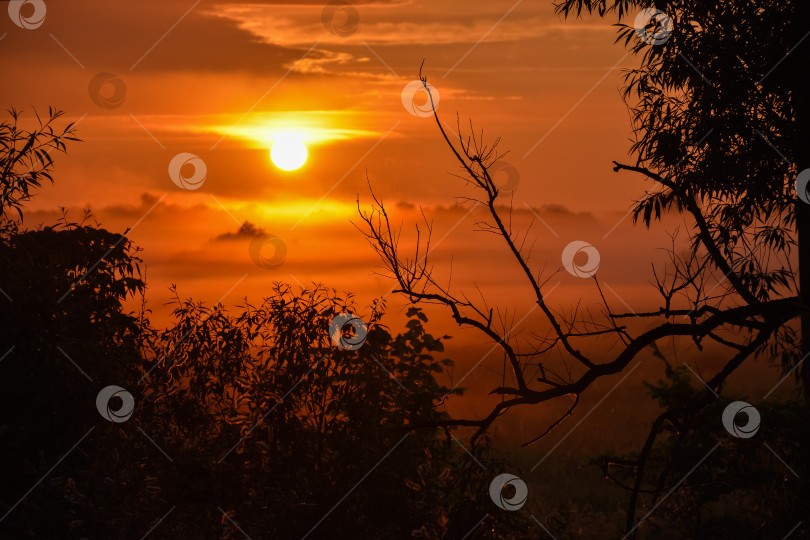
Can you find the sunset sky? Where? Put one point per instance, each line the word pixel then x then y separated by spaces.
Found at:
pixel 225 80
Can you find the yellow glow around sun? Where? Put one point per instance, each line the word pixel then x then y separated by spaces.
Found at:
pixel 288 152
pixel 261 130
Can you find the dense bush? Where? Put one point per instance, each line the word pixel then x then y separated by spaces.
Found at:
pixel 257 415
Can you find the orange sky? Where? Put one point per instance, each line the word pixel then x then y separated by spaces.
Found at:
pixel 220 79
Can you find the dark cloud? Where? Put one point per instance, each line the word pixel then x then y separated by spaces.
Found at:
pixel 247 230
pixel 135 38
pixel 203 43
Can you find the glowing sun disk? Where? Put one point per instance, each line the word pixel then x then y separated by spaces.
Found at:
pixel 288 153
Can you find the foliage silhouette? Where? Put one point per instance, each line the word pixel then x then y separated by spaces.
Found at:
pixel 720 123
pixel 25 158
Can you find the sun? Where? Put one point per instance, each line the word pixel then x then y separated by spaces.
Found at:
pixel 288 153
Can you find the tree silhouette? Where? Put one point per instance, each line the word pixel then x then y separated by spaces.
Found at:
pixel 719 109
pixel 26 160
pixel 263 405
pixel 63 332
